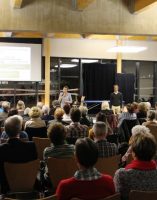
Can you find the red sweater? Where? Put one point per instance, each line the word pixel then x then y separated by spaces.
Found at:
pixel 95 189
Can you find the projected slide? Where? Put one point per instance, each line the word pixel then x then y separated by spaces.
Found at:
pixel 15 63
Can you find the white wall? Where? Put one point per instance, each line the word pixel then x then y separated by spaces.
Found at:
pixel 89 48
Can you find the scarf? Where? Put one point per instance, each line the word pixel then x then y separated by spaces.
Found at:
pixel 142 165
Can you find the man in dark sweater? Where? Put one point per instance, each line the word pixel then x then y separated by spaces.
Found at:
pixel 116 100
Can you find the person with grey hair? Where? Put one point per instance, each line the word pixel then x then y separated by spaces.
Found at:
pixel 151 118
pixel 14 150
pixel 105 148
pixel 45 114
pixel 135 130
pixel 4 114
pixel 85 119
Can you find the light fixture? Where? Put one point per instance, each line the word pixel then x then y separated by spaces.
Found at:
pixel 84 61
pixel 126 49
pixel 66 65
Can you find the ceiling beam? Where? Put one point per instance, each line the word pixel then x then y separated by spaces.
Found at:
pixel 16 3
pixel 140 5
pixel 81 4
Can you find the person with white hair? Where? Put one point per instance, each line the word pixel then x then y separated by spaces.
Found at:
pixel 135 130
pixel 20 107
pixel 45 114
pixel 85 119
pixel 105 108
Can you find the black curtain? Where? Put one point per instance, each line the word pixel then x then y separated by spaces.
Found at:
pixel 126 84
pixel 98 80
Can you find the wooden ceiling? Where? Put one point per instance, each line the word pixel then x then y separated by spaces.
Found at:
pixel 80 5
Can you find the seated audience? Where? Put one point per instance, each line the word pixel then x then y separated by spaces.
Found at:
pixel 59 148
pixel 45 114
pixel 135 130
pixel 151 118
pixel 35 119
pixel 22 134
pixel 20 107
pixel 141 173
pixel 58 117
pixel 85 119
pixel 135 105
pixel 55 104
pixel 14 150
pixel 26 114
pixel 142 110
pixel 12 111
pixel 130 114
pixel 66 116
pixel 76 130
pixel 87 182
pixel 105 148
pixel 40 105
pixel 4 113
pixel 105 108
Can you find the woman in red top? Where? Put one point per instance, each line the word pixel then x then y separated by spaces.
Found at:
pixel 87 182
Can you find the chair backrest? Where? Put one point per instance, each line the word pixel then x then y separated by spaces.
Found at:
pixel 52 197
pixel 60 168
pixel 153 130
pixel 36 132
pixel 112 197
pixel 143 195
pixel 21 176
pixel 41 144
pixel 108 165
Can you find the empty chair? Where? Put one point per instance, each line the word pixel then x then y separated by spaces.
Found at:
pixel 112 197
pixel 21 176
pixel 41 144
pixel 108 165
pixel 36 132
pixel 61 169
pixel 143 195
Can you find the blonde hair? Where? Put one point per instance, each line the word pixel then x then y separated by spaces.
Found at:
pixel 20 105
pixel 35 112
pixel 142 107
pixel 105 105
pixel 59 112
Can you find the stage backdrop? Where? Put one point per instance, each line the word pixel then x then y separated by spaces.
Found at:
pixel 126 84
pixel 98 80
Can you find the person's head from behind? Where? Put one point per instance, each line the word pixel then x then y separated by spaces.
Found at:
pixel 135 104
pixel 84 110
pixel 143 146
pixel 100 117
pixel 116 88
pixel 35 112
pixel 26 111
pixel 65 89
pixel 57 133
pixel 55 104
pixel 151 115
pixel 142 107
pixel 6 106
pixel 58 114
pixel 86 153
pixel 20 105
pixel 12 111
pixel 66 109
pixel 130 108
pixel 13 126
pixel 40 104
pixel 100 130
pixel 75 114
pixel 45 110
pixel 105 105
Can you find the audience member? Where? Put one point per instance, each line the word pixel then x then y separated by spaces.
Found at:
pixel 66 116
pixel 12 112
pixel 55 104
pixel 105 148
pixel 45 114
pixel 35 119
pixel 76 130
pixel 14 150
pixel 26 114
pixel 4 113
pixel 20 107
pixel 142 110
pixel 87 182
pixel 151 118
pixel 141 173
pixel 129 115
pixel 58 148
pixel 85 119
pixel 40 105
pixel 58 117
pixel 105 108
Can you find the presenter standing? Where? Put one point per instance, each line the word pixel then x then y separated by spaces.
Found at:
pixel 65 97
pixel 116 100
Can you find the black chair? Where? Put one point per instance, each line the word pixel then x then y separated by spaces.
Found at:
pixel 36 132
pixel 125 129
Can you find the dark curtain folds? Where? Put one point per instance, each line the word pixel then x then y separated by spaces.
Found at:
pixel 126 84
pixel 98 80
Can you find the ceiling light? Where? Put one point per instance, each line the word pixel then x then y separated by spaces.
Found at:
pixel 126 49
pixel 66 66
pixel 84 60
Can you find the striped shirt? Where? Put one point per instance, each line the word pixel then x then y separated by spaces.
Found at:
pixel 126 115
pixel 87 174
pixel 59 151
pixel 106 149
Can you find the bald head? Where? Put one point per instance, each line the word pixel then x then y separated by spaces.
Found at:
pixel 13 126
